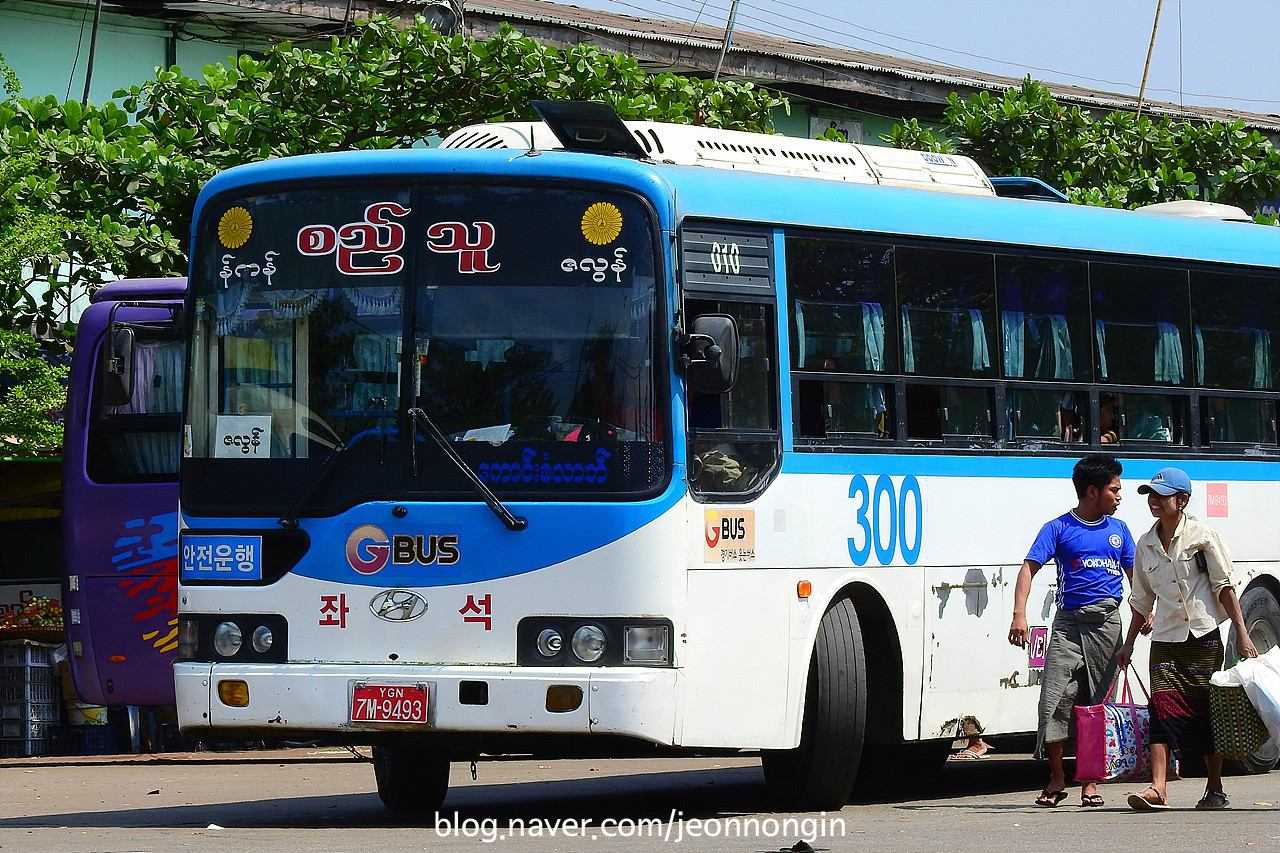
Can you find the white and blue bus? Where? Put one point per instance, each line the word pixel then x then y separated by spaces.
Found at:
pixel 584 438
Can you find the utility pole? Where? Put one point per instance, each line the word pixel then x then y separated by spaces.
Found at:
pixel 728 37
pixel 93 48
pixel 1142 90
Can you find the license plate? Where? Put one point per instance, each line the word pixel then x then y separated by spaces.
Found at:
pixel 389 703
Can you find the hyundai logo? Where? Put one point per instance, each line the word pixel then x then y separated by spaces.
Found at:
pixel 398 605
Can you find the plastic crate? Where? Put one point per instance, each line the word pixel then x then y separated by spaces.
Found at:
pixel 23 653
pixel 39 712
pixel 20 747
pixel 24 729
pixel 82 740
pixel 27 674
pixel 28 684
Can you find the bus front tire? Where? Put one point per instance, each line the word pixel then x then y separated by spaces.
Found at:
pixel 820 773
pixel 411 779
pixel 1262 618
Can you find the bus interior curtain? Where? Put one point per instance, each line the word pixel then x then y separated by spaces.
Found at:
pixel 292 304
pixel 1261 358
pixel 377 301
pixel 801 343
pixel 873 336
pixel 1013 325
pixel 976 356
pixel 1063 367
pixel 229 305
pixel 1168 354
pixel 1199 337
pixel 158 367
pixel 908 342
pixel 1100 332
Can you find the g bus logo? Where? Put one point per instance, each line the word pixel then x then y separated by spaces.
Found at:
pixel 891 520
pixel 368 549
pixel 713 528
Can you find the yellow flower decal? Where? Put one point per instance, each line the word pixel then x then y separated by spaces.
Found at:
pixel 234 227
pixel 602 223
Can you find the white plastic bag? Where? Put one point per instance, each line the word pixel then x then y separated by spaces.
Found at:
pixel 1260 678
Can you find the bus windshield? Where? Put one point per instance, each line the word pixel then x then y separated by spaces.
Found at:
pixel 521 320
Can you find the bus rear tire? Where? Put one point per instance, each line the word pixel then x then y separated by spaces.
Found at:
pixel 411 779
pixel 1262 618
pixel 820 773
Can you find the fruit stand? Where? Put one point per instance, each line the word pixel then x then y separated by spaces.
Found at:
pixel 30 687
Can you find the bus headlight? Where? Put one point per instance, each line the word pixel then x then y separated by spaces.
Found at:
pixel 549 642
pixel 188 639
pixel 645 644
pixel 262 639
pixel 588 643
pixel 227 639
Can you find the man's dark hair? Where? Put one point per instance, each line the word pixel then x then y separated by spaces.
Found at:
pixel 1096 469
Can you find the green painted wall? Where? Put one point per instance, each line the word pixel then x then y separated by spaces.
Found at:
pixel 48 48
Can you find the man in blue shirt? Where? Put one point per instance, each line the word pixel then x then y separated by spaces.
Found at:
pixel 1093 552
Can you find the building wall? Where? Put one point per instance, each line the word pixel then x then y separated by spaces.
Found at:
pixel 48 48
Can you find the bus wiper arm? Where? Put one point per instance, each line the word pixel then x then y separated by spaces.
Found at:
pixel 512 522
pixel 290 517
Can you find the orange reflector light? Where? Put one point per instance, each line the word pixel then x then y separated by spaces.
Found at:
pixel 116 658
pixel 562 698
pixel 234 693
pixel 804 589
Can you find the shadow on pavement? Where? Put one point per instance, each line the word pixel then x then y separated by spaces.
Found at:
pixel 698 793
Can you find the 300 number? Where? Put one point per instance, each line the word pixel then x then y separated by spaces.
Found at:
pixel 882 517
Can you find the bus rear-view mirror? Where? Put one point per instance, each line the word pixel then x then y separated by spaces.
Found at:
pixel 711 354
pixel 117 367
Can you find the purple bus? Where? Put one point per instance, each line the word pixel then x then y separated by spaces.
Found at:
pixel 120 493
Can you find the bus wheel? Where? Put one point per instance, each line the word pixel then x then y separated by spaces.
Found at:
pixel 820 772
pixel 411 779
pixel 1262 618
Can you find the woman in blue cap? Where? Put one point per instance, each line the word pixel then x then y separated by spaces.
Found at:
pixel 1182 570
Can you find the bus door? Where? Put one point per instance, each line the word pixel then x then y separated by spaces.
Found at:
pixel 734 452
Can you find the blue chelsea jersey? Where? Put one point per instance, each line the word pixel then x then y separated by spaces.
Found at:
pixel 1091 557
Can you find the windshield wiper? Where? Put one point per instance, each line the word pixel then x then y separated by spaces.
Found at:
pixel 290 517
pixel 512 522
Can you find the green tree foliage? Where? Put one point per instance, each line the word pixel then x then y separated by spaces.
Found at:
pixel 31 245
pixel 133 168
pixel 33 394
pixel 1119 160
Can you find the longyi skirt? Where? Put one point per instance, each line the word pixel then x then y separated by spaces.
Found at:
pixel 1180 692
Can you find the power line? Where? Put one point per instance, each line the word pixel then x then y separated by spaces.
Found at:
pixel 825 36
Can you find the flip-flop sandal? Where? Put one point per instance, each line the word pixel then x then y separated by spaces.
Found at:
pixel 966 755
pixel 1050 800
pixel 1137 802
pixel 1092 800
pixel 1213 800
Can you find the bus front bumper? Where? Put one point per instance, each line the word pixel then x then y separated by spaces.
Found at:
pixel 282 698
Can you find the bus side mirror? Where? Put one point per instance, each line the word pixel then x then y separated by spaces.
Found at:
pixel 117 367
pixel 710 353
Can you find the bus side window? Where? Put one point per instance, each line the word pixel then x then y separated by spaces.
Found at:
pixel 845 409
pixel 140 440
pixel 1237 420
pixel 734 436
pixel 950 412
pixel 1125 416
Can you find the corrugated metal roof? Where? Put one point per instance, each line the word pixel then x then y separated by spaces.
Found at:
pixel 831 66
pixel 706 37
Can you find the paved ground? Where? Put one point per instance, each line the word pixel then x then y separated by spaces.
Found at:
pixel 323 800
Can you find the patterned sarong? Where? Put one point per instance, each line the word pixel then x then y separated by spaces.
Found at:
pixel 1180 692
